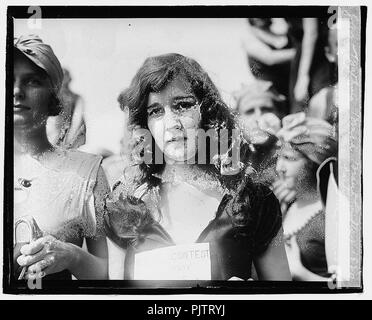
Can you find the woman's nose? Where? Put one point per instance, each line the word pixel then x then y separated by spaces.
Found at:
pixel 280 168
pixel 257 113
pixel 18 92
pixel 171 120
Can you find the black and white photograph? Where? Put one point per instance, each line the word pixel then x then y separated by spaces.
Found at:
pixel 184 150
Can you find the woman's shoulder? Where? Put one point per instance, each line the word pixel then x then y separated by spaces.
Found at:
pixel 114 167
pixel 77 162
pixel 75 155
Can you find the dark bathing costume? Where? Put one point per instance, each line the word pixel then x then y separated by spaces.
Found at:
pixel 232 248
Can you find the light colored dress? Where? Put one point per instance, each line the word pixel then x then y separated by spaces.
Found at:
pixel 59 196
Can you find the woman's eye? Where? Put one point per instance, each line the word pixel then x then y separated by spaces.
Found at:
pixel 184 106
pixel 33 82
pixel 249 112
pixel 290 158
pixel 155 112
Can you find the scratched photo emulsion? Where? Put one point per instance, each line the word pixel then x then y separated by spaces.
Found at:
pixel 184 149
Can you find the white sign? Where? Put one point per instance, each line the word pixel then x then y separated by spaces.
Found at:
pixel 180 262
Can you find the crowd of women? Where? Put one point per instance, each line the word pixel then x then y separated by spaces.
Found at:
pixel 259 215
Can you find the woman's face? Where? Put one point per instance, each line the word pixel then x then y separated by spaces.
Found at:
pixel 173 118
pixel 31 94
pixel 293 169
pixel 251 110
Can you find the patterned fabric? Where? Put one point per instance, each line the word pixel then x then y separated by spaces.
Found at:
pixel 58 196
pixel 320 69
pixel 311 241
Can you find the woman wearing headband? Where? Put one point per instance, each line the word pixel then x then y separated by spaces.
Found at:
pixel 306 144
pixel 58 192
pixel 186 210
pixel 258 107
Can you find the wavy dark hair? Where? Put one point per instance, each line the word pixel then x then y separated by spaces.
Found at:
pixel 154 75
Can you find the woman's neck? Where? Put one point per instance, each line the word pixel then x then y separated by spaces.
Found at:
pixel 307 198
pixel 179 174
pixel 33 143
pixel 178 168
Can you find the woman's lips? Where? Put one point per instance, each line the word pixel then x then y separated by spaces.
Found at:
pixel 20 108
pixel 176 139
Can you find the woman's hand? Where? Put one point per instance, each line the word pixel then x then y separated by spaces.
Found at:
pixel 258 130
pixel 294 257
pixel 284 194
pixel 47 255
pixel 301 89
pixel 269 122
pixel 280 42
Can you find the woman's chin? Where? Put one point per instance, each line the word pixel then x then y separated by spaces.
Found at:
pixel 179 157
pixel 174 159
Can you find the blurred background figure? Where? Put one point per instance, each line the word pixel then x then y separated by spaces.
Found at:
pixel 256 99
pixel 269 52
pixel 306 144
pixel 258 106
pixel 67 129
pixel 324 103
pixel 115 164
pixel 310 69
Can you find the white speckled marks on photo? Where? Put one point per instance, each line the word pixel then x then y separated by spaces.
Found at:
pixel 348 255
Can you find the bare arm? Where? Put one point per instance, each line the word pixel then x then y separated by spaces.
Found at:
pixel 306 275
pixel 318 105
pixel 272 265
pixel 116 261
pixel 262 52
pixel 301 88
pixel 277 41
pixel 49 255
pixel 310 27
pixel 92 264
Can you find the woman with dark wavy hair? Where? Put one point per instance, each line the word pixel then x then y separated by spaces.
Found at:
pixel 186 209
